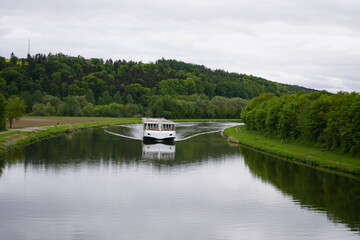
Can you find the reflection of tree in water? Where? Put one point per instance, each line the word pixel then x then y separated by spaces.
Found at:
pixel 2 166
pixel 10 159
pixel 336 195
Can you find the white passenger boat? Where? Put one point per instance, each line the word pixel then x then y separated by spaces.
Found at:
pixel 158 129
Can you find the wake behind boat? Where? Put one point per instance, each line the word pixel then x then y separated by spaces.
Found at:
pixel 158 129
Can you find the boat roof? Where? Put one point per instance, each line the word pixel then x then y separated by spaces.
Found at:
pixel 156 120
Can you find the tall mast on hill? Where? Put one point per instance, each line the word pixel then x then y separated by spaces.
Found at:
pixel 28 46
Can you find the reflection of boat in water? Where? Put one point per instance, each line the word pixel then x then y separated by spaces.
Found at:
pixel 158 129
pixel 158 151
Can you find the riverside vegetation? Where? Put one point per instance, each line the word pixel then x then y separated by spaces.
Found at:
pixel 319 128
pixel 56 84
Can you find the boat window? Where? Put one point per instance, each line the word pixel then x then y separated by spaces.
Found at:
pixel 167 127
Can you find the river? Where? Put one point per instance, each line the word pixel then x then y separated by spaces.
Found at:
pixel 104 183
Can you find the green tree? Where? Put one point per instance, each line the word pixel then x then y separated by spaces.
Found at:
pixel 90 96
pixel 313 118
pixel 131 109
pixel 118 98
pixel 27 97
pixel 129 99
pixel 105 98
pixel 75 90
pixel 15 109
pixel 2 112
pixel 220 106
pixel 140 94
pixel 37 96
pixel 116 110
pixel 40 109
pixel 102 111
pixel 89 110
pixel 13 59
pixel 173 87
pixel 235 106
pixel 272 116
pixel 3 87
pixel 248 114
pixel 72 106
pixel 53 101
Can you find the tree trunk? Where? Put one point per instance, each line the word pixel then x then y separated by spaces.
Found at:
pixel 10 122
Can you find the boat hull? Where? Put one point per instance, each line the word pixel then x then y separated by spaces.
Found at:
pixel 150 140
pixel 159 134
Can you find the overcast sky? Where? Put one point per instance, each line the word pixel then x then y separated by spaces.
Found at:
pixel 314 43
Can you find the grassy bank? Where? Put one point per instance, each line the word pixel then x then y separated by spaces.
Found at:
pixel 309 155
pixel 12 140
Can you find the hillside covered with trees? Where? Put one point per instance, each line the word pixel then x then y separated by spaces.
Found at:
pixel 75 86
pixel 330 121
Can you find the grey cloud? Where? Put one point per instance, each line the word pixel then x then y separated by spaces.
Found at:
pixel 309 43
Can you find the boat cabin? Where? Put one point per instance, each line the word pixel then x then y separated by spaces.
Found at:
pixel 158 129
pixel 159 126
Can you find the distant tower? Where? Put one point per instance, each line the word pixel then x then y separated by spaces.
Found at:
pixel 28 46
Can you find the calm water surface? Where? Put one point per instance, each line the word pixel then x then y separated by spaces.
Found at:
pixel 106 184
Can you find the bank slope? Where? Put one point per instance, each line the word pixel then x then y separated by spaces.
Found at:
pixel 298 152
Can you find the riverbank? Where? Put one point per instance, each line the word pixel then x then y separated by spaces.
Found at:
pixel 36 121
pixel 295 151
pixel 30 129
pixel 20 137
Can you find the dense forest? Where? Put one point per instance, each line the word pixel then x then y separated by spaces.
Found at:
pixel 332 121
pixel 57 84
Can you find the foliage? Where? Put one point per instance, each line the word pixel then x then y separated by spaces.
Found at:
pixel 2 112
pixel 329 121
pixel 62 80
pixel 15 108
pixel 105 98
pixel 41 109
